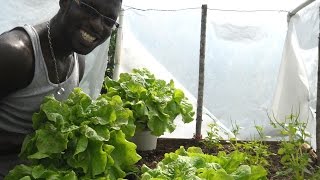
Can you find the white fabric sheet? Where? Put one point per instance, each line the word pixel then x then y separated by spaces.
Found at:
pixel 296 90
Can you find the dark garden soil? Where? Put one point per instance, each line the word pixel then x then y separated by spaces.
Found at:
pixel 165 145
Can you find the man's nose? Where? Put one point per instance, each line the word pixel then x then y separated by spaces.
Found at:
pixel 97 24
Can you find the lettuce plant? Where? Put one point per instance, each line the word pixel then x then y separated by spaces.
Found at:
pixel 79 138
pixel 194 164
pixel 154 102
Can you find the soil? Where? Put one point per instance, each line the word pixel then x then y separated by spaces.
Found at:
pixel 165 145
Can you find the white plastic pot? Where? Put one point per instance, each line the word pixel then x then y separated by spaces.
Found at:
pixel 144 140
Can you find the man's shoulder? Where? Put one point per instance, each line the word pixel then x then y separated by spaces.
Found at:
pixel 16 48
pixel 16 62
pixel 17 41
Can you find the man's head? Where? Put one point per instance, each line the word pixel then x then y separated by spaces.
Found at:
pixel 88 23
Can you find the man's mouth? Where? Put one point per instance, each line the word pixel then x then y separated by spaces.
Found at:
pixel 87 37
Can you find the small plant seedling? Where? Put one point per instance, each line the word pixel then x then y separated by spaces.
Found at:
pixel 213 138
pixel 294 158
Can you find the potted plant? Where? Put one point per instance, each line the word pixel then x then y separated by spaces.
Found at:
pixel 155 104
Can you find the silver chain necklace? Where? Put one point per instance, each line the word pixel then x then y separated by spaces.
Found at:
pixel 60 90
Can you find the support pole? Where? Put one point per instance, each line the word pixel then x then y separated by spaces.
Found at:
pixel 297 9
pixel 117 53
pixel 318 101
pixel 198 135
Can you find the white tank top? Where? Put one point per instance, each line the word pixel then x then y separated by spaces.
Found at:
pixel 16 109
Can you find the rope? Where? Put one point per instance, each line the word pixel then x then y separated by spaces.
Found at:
pixel 211 9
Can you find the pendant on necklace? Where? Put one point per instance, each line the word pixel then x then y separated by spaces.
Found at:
pixel 60 91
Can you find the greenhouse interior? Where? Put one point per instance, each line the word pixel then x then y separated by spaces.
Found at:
pixel 183 90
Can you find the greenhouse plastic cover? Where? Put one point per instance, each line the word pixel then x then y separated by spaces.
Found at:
pixel 250 68
pixel 256 63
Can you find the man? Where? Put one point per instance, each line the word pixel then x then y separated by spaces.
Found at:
pixel 42 60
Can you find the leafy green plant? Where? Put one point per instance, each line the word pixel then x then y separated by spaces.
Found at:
pixel 212 140
pixel 235 131
pixel 111 54
pixel 294 159
pixel 194 164
pixel 316 174
pixel 79 138
pixel 256 150
pixel 154 102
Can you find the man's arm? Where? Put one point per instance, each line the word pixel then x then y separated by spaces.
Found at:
pixel 16 61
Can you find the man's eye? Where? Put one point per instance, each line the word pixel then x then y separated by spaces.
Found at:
pixel 109 22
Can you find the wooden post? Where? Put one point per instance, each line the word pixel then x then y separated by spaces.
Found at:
pixel 198 135
pixel 318 102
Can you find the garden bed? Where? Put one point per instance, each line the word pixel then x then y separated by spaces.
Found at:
pixel 165 145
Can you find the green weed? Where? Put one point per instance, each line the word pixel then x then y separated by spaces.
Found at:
pixel 213 138
pixel 294 158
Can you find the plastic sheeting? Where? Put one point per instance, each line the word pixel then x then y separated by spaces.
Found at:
pixel 244 78
pixel 296 90
pixel 243 56
pixel 20 12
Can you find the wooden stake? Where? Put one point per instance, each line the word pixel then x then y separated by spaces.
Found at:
pixel 198 135
pixel 318 101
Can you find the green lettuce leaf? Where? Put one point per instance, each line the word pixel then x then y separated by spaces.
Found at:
pixel 194 164
pixel 79 138
pixel 154 102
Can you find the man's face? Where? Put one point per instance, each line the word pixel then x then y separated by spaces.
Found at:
pixel 88 23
